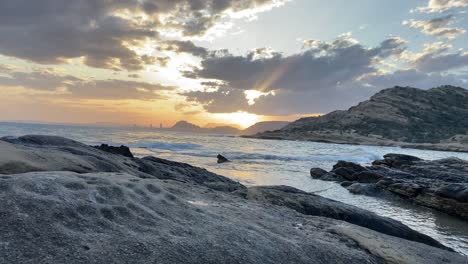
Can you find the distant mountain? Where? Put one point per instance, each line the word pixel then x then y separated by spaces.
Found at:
pixel 396 116
pixel 264 126
pixel 215 125
pixel 224 130
pixel 185 126
pixel 189 127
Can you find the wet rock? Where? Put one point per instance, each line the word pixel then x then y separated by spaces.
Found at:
pixel 396 160
pixel 317 173
pixel 346 183
pixel 345 173
pixel 363 188
pixel 350 166
pixel 438 184
pixel 367 176
pixel 458 192
pixel 222 159
pixel 405 189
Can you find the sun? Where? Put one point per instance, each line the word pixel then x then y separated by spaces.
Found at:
pixel 242 119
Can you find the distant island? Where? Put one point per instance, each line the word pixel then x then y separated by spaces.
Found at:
pixel 434 119
pixel 185 126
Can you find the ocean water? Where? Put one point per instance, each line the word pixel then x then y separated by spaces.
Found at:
pixel 270 162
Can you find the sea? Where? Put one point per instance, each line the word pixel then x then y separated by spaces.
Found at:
pixel 269 162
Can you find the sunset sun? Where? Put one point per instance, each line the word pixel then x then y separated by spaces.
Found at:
pixel 242 119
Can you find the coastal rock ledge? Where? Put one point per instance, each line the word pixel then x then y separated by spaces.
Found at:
pixel 65 202
pixel 439 184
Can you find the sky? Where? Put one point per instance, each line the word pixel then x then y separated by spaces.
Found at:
pixel 219 61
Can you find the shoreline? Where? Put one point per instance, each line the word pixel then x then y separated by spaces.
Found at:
pixel 420 146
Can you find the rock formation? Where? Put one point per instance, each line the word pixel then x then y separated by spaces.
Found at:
pixel 440 184
pixel 399 116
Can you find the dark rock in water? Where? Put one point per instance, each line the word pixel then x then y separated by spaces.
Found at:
pixel 367 176
pixel 348 170
pixel 222 159
pixel 346 183
pixel 346 173
pixel 317 172
pixel 352 167
pixel 396 160
pixel 440 184
pixel 122 150
pixel 362 188
pixel 405 189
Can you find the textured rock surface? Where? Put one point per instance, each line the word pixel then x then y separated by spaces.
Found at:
pixel 409 117
pixel 78 204
pixel 440 184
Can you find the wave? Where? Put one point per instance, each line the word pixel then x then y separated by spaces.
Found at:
pixel 165 145
pixel 197 151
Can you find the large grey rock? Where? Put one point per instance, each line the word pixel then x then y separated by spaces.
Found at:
pixel 65 217
pixel 48 153
pixel 311 204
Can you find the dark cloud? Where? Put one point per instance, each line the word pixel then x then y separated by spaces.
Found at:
pixel 117 90
pixel 441 62
pixel 102 32
pixel 180 46
pixel 437 57
pixel 70 86
pixel 323 64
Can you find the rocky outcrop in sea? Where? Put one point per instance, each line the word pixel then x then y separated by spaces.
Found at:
pixel 439 184
pixel 65 202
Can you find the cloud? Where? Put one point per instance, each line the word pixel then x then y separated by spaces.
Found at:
pixel 70 86
pixel 437 6
pixel 106 33
pixel 314 80
pixel 437 27
pixel 323 64
pixel 437 57
pixel 324 77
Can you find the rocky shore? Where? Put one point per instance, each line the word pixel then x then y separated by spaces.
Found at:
pixel 434 119
pixel 440 184
pixel 65 202
pixel 357 139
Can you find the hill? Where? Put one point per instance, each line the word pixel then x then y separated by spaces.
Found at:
pixel 185 126
pixel 409 117
pixel 225 129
